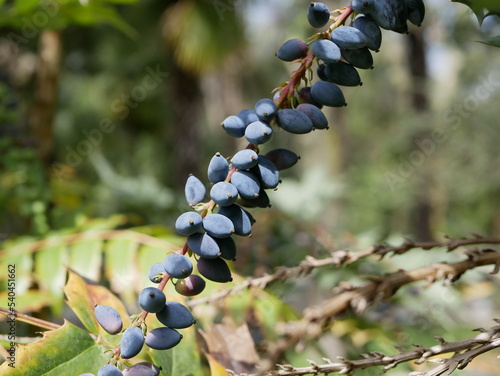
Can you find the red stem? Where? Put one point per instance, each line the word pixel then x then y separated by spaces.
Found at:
pixel 307 61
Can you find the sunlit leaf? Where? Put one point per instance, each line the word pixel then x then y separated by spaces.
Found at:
pixel 82 297
pixel 120 268
pixel 147 257
pixel 68 350
pixel 85 258
pixel 23 262
pixel 50 271
pixel 81 301
pixel 216 369
pixel 31 300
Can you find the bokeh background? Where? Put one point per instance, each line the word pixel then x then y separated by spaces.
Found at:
pixel 106 107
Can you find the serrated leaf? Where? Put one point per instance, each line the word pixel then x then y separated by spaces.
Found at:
pixel 495 41
pixel 80 301
pixel 68 350
pixel 85 258
pixel 82 297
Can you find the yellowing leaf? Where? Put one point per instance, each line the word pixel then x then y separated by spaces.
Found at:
pixel 68 350
pixel 216 369
pixel 82 297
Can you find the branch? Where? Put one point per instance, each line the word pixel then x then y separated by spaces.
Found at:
pixel 316 318
pixel 465 350
pixel 341 258
pixel 282 273
pixel 449 243
pixel 18 316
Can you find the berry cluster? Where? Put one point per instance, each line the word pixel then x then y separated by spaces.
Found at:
pixel 240 182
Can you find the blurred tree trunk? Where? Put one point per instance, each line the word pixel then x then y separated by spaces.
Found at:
pixel 422 212
pixel 47 76
pixel 184 133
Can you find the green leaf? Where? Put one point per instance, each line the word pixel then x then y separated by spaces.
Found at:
pixel 122 1
pixel 30 300
pixel 68 350
pixel 50 272
pixel 25 6
pixel 85 258
pixel 120 267
pixel 23 261
pixel 494 41
pixel 199 35
pixel 93 13
pixel 488 4
pixel 148 256
pixel 81 302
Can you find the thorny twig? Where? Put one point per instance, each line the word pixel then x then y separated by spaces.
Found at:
pixel 341 258
pixel 464 351
pixel 316 318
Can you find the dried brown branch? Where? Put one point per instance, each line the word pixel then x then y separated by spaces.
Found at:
pixel 449 243
pixel 464 352
pixel 282 273
pixel 340 258
pixel 316 318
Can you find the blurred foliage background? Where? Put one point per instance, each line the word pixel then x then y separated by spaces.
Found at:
pixel 108 106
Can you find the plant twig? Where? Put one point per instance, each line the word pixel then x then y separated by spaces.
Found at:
pixel 449 243
pixel 464 352
pixel 30 319
pixel 316 318
pixel 340 258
